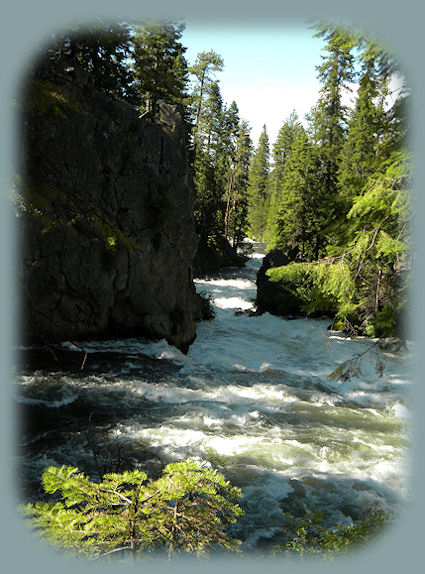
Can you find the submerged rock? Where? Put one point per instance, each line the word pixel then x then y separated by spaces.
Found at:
pixel 107 220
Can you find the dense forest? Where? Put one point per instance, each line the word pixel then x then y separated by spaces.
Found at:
pixel 335 198
pixel 332 195
pixel 331 192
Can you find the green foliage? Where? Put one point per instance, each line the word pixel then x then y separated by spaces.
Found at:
pixel 312 538
pixel 342 211
pixel 258 187
pixel 43 97
pixel 187 509
pixel 281 153
pixel 335 73
pixel 206 64
pixel 111 234
pixel 55 209
pixel 159 67
pixel 380 222
pixel 236 215
pixel 98 51
pixel 366 124
pixel 208 201
pixel 221 158
pixel 303 209
pixel 326 286
pixel 352 367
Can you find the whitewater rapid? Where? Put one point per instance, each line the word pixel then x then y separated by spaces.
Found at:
pixel 254 397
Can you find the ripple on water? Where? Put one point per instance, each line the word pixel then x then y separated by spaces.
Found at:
pixel 252 397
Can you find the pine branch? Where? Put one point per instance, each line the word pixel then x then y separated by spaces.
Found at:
pixel 111 552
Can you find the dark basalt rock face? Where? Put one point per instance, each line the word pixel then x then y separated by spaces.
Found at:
pixel 272 297
pixel 108 232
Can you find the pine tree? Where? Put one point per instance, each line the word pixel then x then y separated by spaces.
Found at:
pixel 281 152
pixel 99 52
pixel 203 69
pixel 257 187
pixel 211 126
pixel 208 171
pixel 335 73
pixel 159 66
pixel 230 139
pixel 380 223
pixel 366 125
pixel 365 284
pixel 217 164
pixel 302 215
pixel 237 224
pixel 208 200
pixel 346 213
pixel 187 509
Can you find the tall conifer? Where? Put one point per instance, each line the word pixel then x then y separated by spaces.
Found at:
pixel 281 152
pixel 159 66
pixel 257 187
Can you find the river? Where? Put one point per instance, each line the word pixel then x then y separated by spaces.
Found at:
pixel 253 397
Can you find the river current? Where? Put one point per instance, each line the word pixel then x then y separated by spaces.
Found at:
pixel 254 397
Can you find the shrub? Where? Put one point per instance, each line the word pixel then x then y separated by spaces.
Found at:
pixel 312 538
pixel 187 509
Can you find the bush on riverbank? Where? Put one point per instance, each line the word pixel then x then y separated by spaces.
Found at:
pixel 312 538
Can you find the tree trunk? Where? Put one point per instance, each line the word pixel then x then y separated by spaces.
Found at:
pixel 228 196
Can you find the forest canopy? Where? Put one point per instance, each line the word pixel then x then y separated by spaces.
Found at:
pixel 336 198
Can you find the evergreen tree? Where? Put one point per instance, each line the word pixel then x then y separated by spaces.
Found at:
pixel 281 152
pixel 330 117
pixel 211 124
pixel 380 224
pixel 187 509
pixel 208 201
pixel 99 52
pixel 217 166
pixel 346 213
pixel 230 140
pixel 208 171
pixel 205 65
pixel 159 67
pixel 237 221
pixel 365 128
pixel 257 187
pixel 302 210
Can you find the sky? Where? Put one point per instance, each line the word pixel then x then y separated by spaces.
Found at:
pixel 268 71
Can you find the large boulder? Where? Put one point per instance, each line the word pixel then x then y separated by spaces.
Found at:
pixel 272 297
pixel 108 232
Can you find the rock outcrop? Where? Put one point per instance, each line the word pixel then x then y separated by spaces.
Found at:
pixel 108 232
pixel 272 297
pixel 209 259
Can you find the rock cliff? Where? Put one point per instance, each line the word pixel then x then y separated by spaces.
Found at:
pixel 106 212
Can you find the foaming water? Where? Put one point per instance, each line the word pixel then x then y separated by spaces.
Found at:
pixel 253 397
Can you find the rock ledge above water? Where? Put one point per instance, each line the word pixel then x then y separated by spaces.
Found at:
pixel 272 297
pixel 108 232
